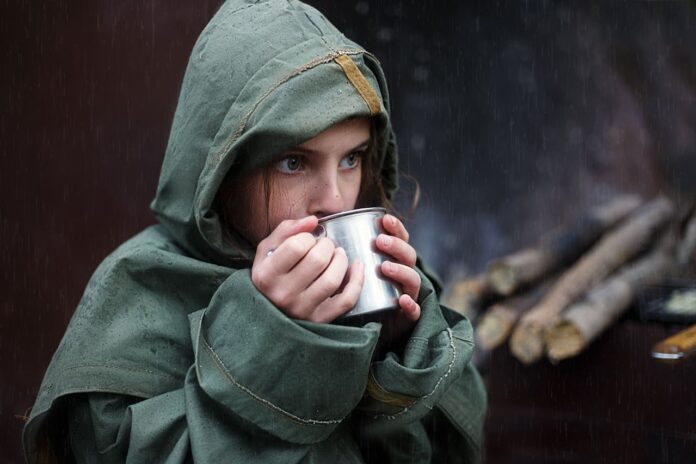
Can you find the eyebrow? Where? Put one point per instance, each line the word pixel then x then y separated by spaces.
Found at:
pixel 309 151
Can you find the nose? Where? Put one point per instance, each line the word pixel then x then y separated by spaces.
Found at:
pixel 326 196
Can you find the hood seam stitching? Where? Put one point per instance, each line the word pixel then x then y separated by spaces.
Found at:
pixel 297 71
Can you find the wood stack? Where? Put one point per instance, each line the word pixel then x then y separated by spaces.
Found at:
pixel 556 298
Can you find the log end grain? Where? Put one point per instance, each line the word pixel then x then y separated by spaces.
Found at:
pixel 466 296
pixel 563 340
pixel 502 278
pixel 527 343
pixel 493 329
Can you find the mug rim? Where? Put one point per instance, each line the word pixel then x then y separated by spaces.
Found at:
pixel 353 212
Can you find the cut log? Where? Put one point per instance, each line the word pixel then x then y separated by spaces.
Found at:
pixel 467 295
pixel 525 267
pixel 584 321
pixel 510 273
pixel 494 326
pixel 614 249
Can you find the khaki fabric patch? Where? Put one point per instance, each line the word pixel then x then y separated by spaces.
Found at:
pixel 360 83
pixel 375 390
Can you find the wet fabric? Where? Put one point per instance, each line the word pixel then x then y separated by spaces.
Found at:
pixel 173 355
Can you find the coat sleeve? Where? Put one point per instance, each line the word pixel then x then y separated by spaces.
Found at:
pixel 261 388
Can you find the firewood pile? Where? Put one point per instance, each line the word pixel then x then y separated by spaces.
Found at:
pixel 555 298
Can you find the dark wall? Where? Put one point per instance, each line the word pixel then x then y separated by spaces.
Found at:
pixel 513 116
pixel 88 91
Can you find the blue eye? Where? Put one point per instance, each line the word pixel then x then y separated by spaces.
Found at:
pixel 289 165
pixel 351 161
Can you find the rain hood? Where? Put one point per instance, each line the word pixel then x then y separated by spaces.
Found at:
pixel 262 78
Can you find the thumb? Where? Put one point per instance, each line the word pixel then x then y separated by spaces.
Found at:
pixel 306 224
pixel 287 229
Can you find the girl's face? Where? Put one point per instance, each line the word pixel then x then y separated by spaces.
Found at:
pixel 319 177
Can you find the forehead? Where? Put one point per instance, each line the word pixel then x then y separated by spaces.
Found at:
pixel 345 135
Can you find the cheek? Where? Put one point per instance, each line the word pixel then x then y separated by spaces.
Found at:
pixel 351 189
pixel 287 201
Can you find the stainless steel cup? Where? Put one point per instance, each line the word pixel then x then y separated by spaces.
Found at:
pixel 356 231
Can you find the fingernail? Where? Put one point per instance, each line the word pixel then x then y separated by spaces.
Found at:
pixel 302 223
pixel 386 240
pixel 341 250
pixel 390 267
pixel 392 220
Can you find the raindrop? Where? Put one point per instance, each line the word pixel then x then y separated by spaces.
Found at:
pixel 385 34
pixel 417 142
pixel 420 73
pixel 362 8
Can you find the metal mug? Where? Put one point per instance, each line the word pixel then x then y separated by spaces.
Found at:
pixel 355 231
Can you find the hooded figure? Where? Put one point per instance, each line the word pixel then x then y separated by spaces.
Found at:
pixel 174 355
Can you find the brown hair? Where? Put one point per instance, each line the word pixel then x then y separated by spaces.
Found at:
pixel 371 187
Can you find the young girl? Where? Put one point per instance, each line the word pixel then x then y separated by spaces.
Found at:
pixel 208 337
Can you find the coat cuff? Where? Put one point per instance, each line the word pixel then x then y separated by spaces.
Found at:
pixel 405 388
pixel 294 379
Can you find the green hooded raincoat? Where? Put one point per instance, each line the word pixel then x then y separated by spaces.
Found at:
pixel 173 355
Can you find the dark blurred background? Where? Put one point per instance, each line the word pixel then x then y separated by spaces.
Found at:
pixel 512 116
